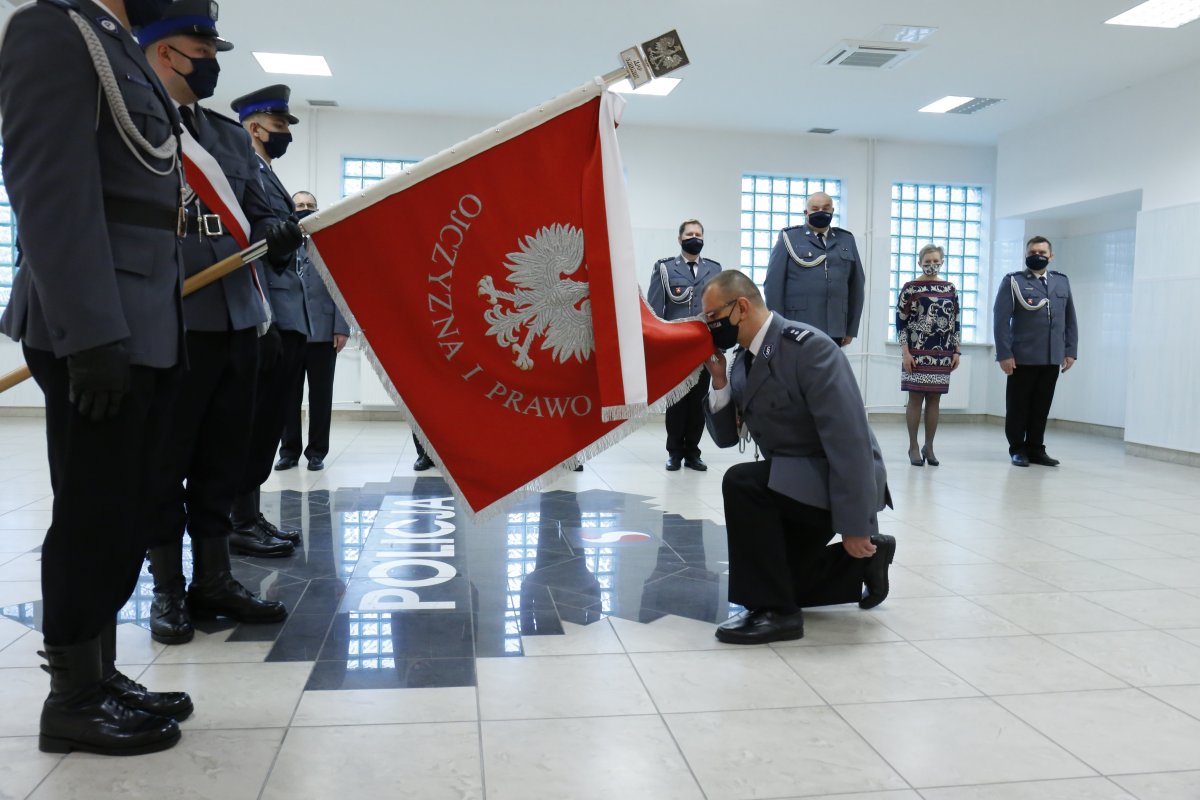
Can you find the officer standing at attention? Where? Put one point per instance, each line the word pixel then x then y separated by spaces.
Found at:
pixel 329 335
pixel 676 286
pixel 1036 337
pixel 266 117
pixel 96 307
pixel 816 276
pixel 214 413
pixel 823 473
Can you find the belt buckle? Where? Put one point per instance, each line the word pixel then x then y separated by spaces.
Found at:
pixel 210 225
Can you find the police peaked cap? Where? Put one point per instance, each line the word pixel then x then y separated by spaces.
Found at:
pixel 268 100
pixel 185 18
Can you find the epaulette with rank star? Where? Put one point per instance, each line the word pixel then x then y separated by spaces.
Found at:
pixel 796 334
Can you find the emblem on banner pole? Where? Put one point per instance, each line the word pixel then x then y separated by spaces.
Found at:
pixel 544 303
pixel 665 54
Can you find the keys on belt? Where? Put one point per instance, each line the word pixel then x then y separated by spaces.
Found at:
pixel 205 225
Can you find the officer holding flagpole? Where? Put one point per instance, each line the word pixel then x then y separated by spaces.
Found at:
pixel 213 417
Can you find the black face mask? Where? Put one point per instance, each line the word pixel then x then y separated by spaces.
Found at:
pixel 693 245
pixel 308 212
pixel 819 219
pixel 276 144
pixel 1037 263
pixel 143 12
pixel 724 333
pixel 202 80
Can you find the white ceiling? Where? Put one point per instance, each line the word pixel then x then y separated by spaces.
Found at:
pixel 753 61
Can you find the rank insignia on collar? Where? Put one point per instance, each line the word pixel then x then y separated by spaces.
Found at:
pixel 767 350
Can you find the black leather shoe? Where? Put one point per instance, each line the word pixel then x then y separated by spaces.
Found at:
pixel 222 596
pixel 285 462
pixel 875 576
pixel 80 715
pixel 673 464
pixel 761 626
pixel 269 528
pixel 256 542
pixel 422 463
pixel 696 463
pixel 578 468
pixel 174 705
pixel 1043 460
pixel 316 464
pixel 170 622
pixel 1019 460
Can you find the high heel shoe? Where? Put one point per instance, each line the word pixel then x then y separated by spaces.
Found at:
pixel 916 462
pixel 927 456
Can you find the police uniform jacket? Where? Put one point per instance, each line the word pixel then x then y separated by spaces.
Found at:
pixel 100 256
pixel 828 296
pixel 288 299
pixel 804 410
pixel 674 293
pixel 234 301
pixel 326 318
pixel 1033 335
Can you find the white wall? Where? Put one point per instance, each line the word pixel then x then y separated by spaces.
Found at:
pixel 1141 339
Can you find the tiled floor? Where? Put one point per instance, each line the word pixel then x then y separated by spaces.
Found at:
pixel 1042 641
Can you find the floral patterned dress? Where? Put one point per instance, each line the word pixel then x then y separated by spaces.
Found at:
pixel 927 321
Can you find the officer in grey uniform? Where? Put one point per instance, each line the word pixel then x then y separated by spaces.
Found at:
pixel 213 418
pixel 676 285
pixel 816 276
pixel 96 306
pixel 793 390
pixel 1036 337
pixel 266 117
pixel 329 335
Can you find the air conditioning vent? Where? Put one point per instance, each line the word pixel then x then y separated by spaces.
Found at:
pixel 822 130
pixel 323 103
pixel 869 55
pixel 978 104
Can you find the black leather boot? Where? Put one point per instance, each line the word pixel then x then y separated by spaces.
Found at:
pixel 268 527
pixel 252 534
pixel 80 715
pixel 169 619
pixel 215 593
pixel 176 705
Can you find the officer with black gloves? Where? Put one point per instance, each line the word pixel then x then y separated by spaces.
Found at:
pixel 214 415
pixel 266 117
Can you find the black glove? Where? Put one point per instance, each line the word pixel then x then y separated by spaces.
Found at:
pixel 97 379
pixel 282 241
pixel 270 349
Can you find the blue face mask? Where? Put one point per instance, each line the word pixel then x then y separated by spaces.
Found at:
pixel 202 80
pixel 1037 263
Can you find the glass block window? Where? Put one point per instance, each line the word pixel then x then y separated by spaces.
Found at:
pixel 369 641
pixel 8 244
pixel 951 217
pixel 359 173
pixel 771 203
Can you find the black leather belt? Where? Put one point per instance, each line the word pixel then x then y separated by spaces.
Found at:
pixel 140 213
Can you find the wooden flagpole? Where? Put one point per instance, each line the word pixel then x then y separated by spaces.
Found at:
pixel 192 284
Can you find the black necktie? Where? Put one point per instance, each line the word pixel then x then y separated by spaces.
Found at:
pixel 821 239
pixel 1045 283
pixel 748 360
pixel 189 120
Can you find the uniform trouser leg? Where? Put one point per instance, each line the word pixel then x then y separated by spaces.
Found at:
pixel 1017 393
pixel 417 444
pixel 292 441
pixel 320 361
pixel 780 554
pixel 104 476
pixel 685 421
pixel 1040 399
pixel 272 398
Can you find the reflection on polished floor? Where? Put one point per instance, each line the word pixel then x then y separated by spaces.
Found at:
pixel 1042 640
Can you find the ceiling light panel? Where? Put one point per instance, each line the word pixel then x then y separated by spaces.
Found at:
pixel 1159 14
pixel 904 33
pixel 289 64
pixel 947 103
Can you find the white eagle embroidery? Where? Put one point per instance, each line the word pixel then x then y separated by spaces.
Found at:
pixel 544 302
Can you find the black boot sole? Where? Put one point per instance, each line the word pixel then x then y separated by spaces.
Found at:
pixel 241 551
pixel 177 638
pixel 55 744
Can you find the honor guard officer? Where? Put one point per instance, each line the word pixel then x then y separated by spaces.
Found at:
pixel 823 473
pixel 676 286
pixel 815 275
pixel 213 417
pixel 266 117
pixel 329 335
pixel 1036 338
pixel 96 306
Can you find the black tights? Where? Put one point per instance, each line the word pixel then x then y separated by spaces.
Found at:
pixel 912 416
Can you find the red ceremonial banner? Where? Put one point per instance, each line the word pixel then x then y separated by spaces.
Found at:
pixel 485 291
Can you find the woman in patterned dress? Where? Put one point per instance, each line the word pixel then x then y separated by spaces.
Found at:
pixel 927 324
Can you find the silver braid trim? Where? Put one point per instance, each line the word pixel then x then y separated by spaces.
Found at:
pixel 133 138
pixel 1016 292
pixel 816 262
